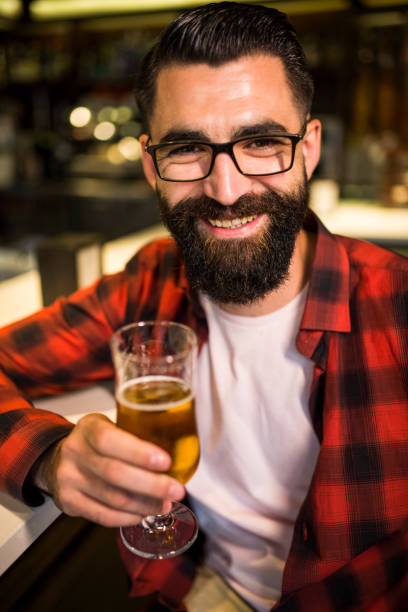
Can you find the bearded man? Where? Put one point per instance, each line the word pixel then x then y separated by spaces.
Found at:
pixel 302 395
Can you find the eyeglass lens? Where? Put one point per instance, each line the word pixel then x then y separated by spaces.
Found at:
pixel 255 156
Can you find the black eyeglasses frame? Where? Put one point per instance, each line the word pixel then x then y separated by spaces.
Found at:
pixel 225 147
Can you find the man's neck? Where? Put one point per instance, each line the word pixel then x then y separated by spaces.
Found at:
pixel 299 274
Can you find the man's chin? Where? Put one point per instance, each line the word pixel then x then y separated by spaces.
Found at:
pixel 238 271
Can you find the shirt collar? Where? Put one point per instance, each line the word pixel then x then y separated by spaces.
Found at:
pixel 327 305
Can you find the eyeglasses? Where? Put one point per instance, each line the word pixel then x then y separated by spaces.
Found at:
pixel 258 155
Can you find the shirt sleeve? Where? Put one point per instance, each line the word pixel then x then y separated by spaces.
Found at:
pixel 62 347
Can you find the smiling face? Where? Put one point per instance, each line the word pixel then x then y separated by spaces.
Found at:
pixel 247 96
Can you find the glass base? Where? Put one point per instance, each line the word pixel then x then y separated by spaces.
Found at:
pixel 175 534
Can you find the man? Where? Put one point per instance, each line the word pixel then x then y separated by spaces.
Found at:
pixel 302 400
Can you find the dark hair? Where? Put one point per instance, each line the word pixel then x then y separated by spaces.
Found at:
pixel 220 32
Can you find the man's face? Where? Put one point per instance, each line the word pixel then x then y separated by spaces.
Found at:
pixel 260 217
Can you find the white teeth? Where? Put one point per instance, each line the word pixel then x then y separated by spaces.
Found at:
pixel 232 222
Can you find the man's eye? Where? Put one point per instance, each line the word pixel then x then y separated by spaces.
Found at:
pixel 184 150
pixel 265 146
pixel 266 143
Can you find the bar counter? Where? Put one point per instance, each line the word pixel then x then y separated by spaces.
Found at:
pixel 20 525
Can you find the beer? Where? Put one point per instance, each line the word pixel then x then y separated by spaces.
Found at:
pixel 160 409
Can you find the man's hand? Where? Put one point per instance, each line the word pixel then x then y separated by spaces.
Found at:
pixel 106 475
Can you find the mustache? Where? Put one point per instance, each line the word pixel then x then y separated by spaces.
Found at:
pixel 205 207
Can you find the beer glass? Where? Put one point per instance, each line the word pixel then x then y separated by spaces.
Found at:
pixel 155 364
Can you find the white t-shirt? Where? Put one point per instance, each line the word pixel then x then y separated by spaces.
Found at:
pixel 258 447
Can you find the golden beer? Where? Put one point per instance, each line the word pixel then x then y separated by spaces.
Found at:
pixel 160 409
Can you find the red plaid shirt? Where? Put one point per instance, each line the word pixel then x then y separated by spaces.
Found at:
pixel 350 546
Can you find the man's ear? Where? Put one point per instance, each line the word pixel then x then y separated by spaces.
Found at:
pixel 311 146
pixel 147 161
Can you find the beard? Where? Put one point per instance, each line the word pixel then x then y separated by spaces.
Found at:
pixel 237 270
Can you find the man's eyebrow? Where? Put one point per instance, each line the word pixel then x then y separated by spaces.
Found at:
pixel 181 134
pixel 265 127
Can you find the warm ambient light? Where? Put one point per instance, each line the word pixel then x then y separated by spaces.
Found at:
pixel 104 130
pixel 114 155
pixel 127 149
pixel 130 148
pixel 120 114
pixel 384 3
pixel 399 194
pixel 107 113
pixel 50 9
pixel 10 9
pixel 80 116
pixel 123 114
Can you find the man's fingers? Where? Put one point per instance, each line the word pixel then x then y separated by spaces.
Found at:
pixel 109 496
pixel 114 506
pixel 108 440
pixel 127 484
pixel 105 474
pixel 81 504
pixel 122 463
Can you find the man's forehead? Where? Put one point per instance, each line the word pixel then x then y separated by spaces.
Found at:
pixel 245 62
pixel 241 93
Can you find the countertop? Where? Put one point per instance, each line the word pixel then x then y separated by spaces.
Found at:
pixel 367 221
pixel 20 525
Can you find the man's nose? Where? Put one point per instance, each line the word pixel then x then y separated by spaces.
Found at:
pixel 225 183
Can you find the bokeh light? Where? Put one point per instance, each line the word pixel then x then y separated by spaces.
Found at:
pixel 80 116
pixel 104 130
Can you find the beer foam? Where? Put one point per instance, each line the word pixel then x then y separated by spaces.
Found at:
pixel 160 407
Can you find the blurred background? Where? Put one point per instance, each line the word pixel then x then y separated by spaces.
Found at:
pixel 73 201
